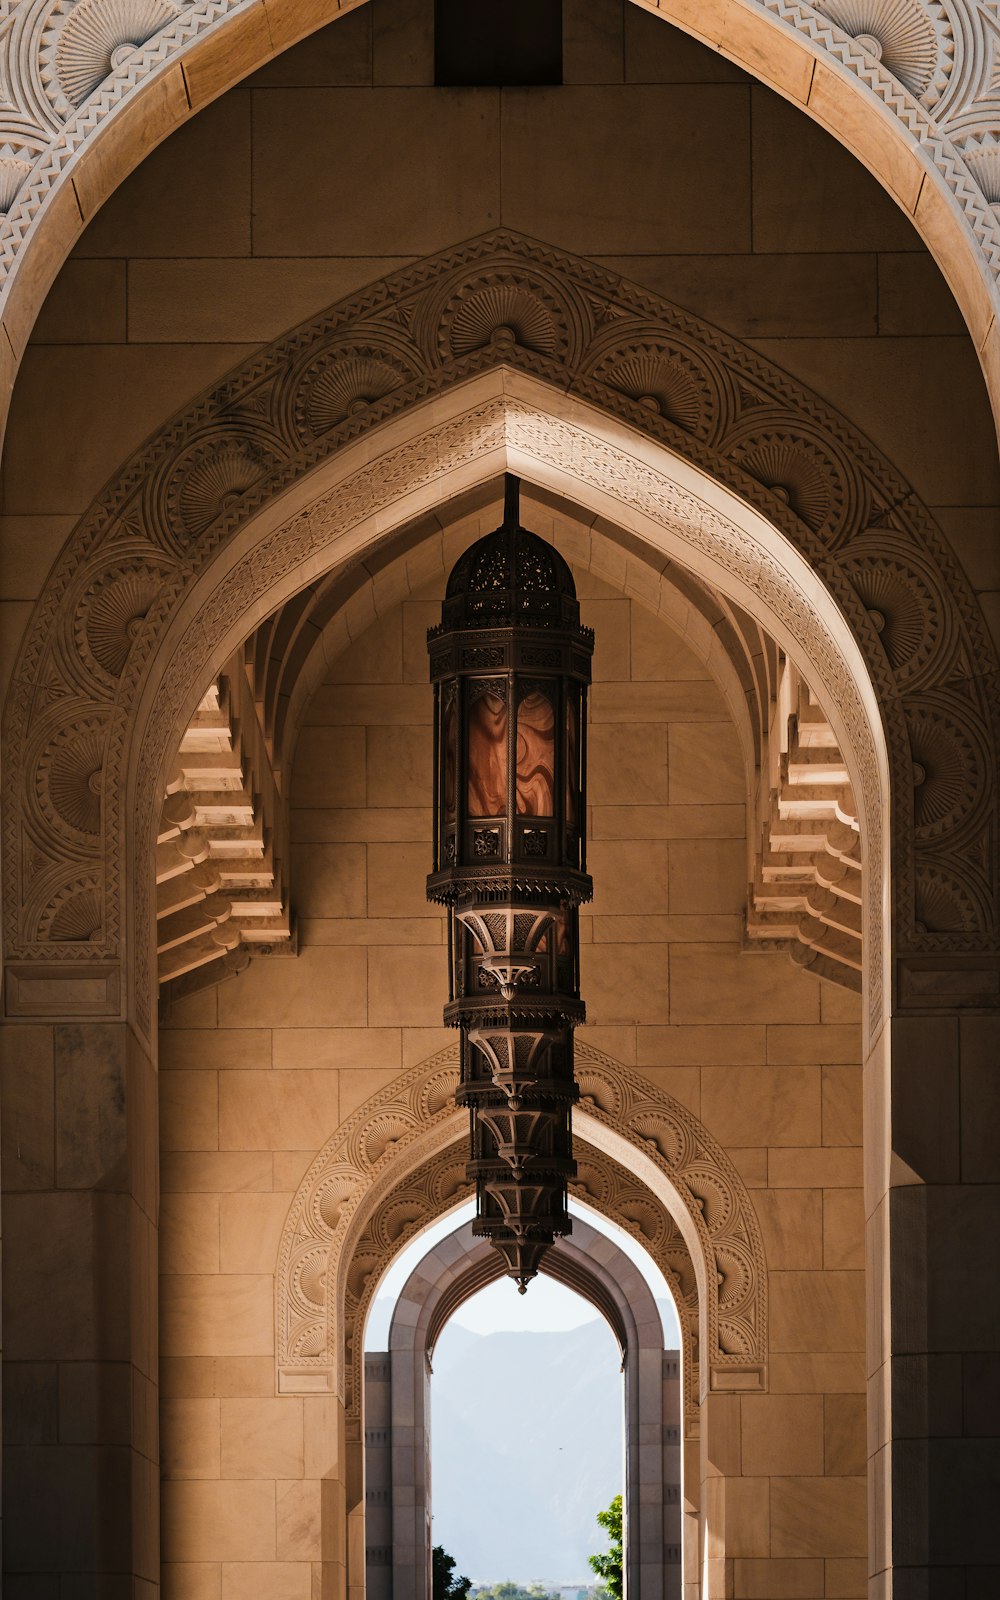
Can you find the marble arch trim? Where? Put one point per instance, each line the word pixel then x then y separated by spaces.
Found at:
pixel 908 85
pixel 183 575
pixel 399 1163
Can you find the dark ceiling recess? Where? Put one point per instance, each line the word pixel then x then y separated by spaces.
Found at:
pixel 497 42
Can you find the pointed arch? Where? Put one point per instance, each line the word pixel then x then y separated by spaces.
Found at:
pixel 399 1162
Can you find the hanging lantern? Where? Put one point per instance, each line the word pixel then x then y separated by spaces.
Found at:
pixel 510 664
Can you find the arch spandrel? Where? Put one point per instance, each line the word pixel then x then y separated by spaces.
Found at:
pixel 399 1163
pixel 310 490
pixel 907 85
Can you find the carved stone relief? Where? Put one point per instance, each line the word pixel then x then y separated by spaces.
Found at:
pixel 69 67
pixel 138 551
pixel 379 1181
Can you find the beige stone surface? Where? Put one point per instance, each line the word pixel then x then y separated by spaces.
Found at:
pixel 249 1231
pixel 788 1579
pixel 204 1049
pixel 846 211
pixel 627 765
pixel 299 1520
pixel 708 875
pixel 626 983
pixel 817 1311
pixel 626 873
pixel 330 767
pixel 191 1438
pixel 238 300
pixel 724 1045
pixel 325 984
pixel 229 1314
pixel 331 879
pixel 713 983
pixel 189 1233
pixel 205 1521
pixel 772 1106
pixel 306 176
pixel 706 766
pixel 782 1435
pixel 837 1373
pixel 843 1229
pixel 791 1222
pixel 603 193
pixel 350 1049
pixel 189 1111
pixel 262 1438
pixel 266 1580
pixel 817 1516
pixel 283 1110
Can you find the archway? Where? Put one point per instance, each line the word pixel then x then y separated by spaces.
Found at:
pixel 598 1270
pixel 493 419
pixel 644 1162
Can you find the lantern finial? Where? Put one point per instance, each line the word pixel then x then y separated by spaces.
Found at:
pixel 510 664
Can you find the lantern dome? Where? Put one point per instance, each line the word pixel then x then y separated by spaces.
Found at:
pixel 510 577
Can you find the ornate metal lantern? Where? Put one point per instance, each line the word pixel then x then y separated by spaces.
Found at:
pixel 510 664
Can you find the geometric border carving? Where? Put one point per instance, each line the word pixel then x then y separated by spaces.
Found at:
pixel 399 1162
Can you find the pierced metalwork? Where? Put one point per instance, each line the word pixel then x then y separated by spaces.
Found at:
pixel 510 664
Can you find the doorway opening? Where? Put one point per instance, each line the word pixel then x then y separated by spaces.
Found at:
pixel 508 1477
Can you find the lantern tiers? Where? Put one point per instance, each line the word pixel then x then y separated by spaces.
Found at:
pixel 510 663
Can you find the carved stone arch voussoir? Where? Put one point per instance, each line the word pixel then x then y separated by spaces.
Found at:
pixel 496 306
pixel 399 1163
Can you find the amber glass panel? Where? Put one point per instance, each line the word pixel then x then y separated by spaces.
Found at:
pixel 572 761
pixel 536 755
pixel 449 744
pixel 487 754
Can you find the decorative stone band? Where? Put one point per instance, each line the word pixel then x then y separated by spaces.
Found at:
pixel 398 1164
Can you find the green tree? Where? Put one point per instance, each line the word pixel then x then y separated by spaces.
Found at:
pixel 444 1585
pixel 609 1566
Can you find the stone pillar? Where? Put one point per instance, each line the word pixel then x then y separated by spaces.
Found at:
pixel 80 1417
pixel 411 1513
pixel 355 1512
pixel 724 1506
pixel 671 1472
pixel 933 1220
pixel 378 1477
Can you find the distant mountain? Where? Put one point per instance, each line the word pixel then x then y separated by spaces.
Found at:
pixel 527 1446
